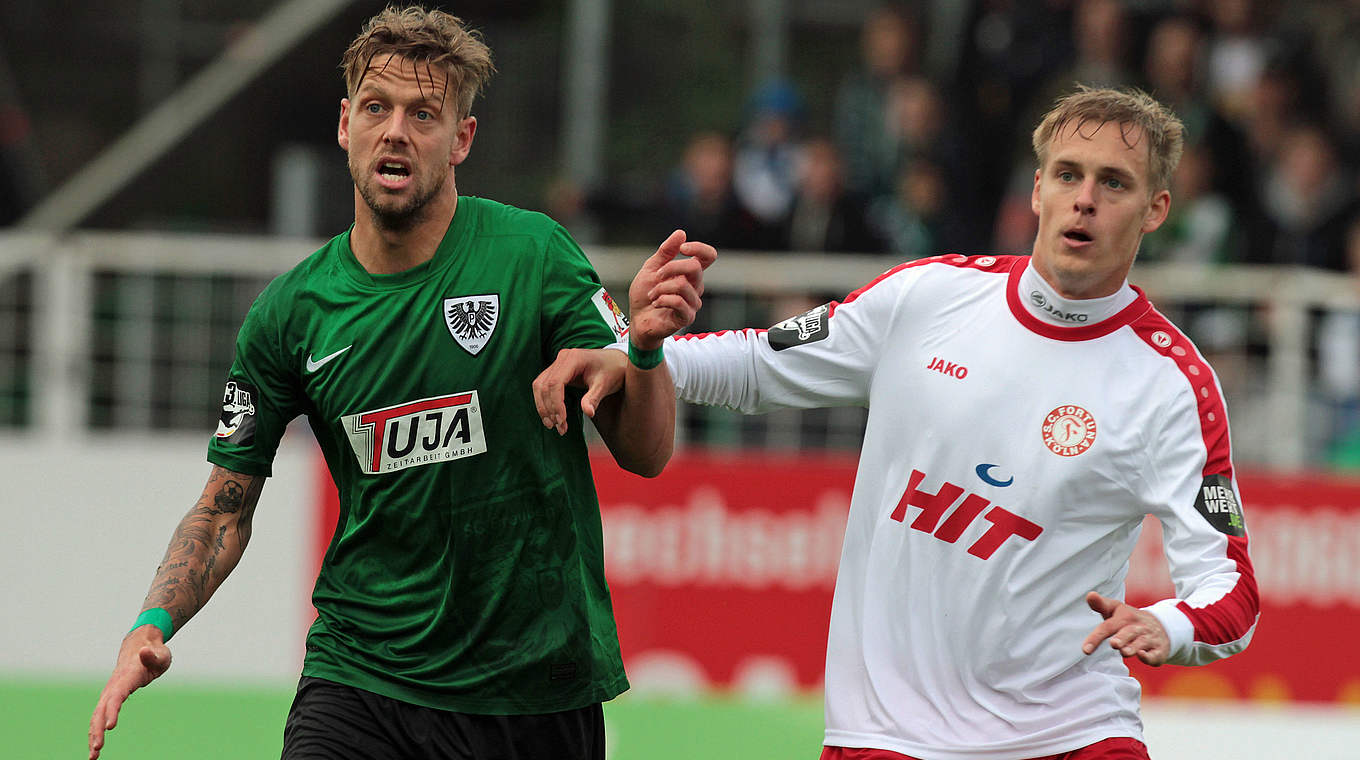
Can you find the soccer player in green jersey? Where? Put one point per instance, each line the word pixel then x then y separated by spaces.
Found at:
pixel 462 610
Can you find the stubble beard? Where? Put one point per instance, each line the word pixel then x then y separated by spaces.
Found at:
pixel 391 214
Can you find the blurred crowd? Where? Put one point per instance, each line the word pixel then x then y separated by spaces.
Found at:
pixel 928 156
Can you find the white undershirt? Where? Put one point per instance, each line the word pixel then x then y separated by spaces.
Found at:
pixel 1044 302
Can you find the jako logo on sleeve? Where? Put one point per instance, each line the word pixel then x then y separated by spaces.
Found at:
pixel 237 423
pixel 415 433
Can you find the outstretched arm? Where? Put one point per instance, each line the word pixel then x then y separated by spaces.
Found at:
pixel 203 551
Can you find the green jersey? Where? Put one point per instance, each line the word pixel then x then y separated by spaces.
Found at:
pixel 466 572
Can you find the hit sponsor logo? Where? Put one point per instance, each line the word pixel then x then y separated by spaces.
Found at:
pixel 933 506
pixel 420 432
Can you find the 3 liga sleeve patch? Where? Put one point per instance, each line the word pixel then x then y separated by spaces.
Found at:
pixel 809 327
pixel 1220 506
pixel 237 423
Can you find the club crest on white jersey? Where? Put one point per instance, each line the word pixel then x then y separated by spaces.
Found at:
pixel 472 319
pixel 430 430
pixel 1069 430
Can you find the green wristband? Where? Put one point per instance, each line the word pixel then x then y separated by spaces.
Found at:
pixel 158 617
pixel 644 359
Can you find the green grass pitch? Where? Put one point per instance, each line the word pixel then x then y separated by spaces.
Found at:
pixel 44 720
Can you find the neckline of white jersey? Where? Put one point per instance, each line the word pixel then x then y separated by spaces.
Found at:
pixel 1047 305
pixel 1022 310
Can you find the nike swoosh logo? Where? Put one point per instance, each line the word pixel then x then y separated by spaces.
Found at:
pixel 316 364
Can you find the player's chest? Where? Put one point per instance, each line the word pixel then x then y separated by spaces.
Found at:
pixel 1016 418
pixel 357 350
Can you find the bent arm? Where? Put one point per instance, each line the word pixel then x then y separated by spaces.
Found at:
pixel 638 424
pixel 1217 604
pixel 206 545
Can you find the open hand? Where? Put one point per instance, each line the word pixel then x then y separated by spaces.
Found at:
pixel 142 658
pixel 665 294
pixel 1131 631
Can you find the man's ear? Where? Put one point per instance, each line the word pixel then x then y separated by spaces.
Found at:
pixel 462 140
pixel 1161 206
pixel 1034 194
pixel 342 133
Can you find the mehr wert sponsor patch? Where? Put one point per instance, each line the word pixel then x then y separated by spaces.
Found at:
pixel 1220 506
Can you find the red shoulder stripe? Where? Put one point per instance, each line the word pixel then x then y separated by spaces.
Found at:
pixel 1229 618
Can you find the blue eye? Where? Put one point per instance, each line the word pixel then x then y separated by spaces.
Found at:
pixel 1066 176
pixel 424 115
pixel 1114 184
pixel 373 108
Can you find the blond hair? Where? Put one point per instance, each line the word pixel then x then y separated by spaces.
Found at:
pixel 432 38
pixel 1129 108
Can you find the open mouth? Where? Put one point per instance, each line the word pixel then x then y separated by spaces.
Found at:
pixel 393 171
pixel 1077 236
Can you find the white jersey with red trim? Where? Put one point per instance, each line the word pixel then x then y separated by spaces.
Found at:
pixel 1007 466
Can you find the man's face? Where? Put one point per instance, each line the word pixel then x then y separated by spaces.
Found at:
pixel 1093 199
pixel 403 136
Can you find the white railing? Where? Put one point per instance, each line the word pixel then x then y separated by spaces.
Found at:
pixel 1275 402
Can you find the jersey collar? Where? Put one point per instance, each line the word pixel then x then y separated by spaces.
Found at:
pixel 1022 313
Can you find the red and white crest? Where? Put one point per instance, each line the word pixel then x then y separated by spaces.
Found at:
pixel 1069 430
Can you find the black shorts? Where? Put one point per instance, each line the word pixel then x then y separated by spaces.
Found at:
pixel 330 721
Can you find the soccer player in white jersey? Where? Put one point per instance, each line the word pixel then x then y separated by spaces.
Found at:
pixel 1025 414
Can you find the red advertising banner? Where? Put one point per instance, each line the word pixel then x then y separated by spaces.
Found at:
pixel 722 571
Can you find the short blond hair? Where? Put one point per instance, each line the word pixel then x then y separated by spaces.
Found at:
pixel 434 38
pixel 1129 108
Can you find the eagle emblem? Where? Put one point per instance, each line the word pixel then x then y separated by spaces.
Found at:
pixel 472 319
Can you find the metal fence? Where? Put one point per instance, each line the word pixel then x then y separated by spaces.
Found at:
pixel 135 332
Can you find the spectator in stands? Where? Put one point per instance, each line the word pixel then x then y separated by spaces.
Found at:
pixel 1336 33
pixel 1198 229
pixel 1309 200
pixel 1238 52
pixel 699 196
pixel 1173 69
pixel 890 48
pixel 826 216
pixel 928 140
pixel 766 162
pixel 911 219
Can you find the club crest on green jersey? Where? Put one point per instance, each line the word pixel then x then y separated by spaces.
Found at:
pixel 472 319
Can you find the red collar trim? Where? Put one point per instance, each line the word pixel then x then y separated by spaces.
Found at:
pixel 1138 308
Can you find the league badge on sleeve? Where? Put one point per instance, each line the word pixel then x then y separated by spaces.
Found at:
pixel 808 327
pixel 472 319
pixel 610 312
pixel 237 423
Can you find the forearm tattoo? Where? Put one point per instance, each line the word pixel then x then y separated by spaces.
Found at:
pixel 206 545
